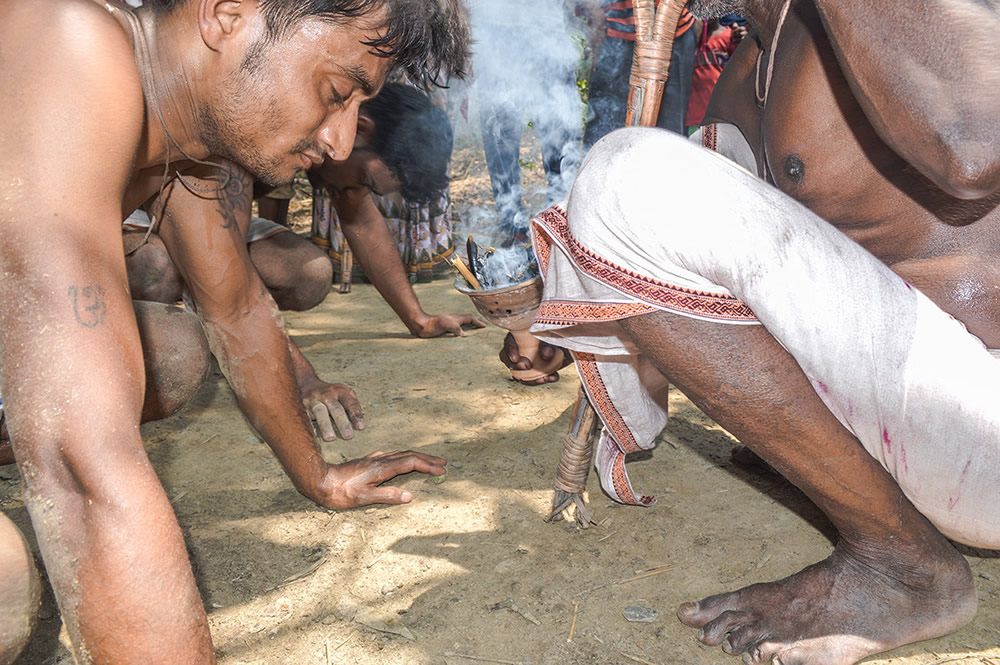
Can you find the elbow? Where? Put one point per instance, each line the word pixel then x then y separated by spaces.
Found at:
pixel 970 166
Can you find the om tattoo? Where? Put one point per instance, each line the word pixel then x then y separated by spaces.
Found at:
pixel 235 196
pixel 88 305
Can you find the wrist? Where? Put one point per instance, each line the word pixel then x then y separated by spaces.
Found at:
pixel 315 484
pixel 418 323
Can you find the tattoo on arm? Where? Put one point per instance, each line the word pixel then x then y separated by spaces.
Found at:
pixel 235 196
pixel 88 305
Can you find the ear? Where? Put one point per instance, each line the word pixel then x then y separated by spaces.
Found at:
pixel 219 20
pixel 366 128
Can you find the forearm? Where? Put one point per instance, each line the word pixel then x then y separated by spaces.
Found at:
pixel 253 352
pixel 928 83
pixel 302 369
pixel 375 249
pixel 72 370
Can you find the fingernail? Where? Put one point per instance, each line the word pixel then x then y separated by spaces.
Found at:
pixel 406 497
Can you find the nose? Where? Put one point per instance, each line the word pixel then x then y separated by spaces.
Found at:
pixel 338 132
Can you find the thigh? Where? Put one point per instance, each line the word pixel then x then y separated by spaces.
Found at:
pixel 282 253
pixel 905 378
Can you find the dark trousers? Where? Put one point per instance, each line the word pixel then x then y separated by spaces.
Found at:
pixel 502 124
pixel 609 87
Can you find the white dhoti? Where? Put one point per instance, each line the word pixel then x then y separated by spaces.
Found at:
pixel 920 393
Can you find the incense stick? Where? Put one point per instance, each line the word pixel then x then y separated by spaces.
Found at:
pixel 459 264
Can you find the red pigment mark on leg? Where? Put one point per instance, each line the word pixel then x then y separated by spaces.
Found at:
pixel 886 440
pixel 961 480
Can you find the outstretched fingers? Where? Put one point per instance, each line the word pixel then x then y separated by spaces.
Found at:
pixel 395 464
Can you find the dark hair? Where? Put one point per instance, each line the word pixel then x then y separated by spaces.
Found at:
pixel 427 39
pixel 413 137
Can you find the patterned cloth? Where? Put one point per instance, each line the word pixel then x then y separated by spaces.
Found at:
pixel 916 389
pixel 423 233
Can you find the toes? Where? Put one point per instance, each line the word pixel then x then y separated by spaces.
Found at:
pixel 698 614
pixel 716 631
pixel 745 639
pixel 690 614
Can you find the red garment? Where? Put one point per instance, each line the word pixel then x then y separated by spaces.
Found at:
pixel 712 55
pixel 620 12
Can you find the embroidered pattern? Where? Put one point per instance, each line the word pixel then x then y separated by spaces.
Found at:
pixel 710 137
pixel 586 365
pixel 562 312
pixel 657 293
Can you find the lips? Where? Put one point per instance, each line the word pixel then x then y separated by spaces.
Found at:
pixel 309 161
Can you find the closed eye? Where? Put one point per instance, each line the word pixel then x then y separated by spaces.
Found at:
pixel 336 99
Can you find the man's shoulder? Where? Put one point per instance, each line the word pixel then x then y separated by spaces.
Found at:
pixel 74 36
pixel 71 89
pixel 85 50
pixel 66 22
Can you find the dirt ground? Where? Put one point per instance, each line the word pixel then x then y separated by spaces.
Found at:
pixel 469 572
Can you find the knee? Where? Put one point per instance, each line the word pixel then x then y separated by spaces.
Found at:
pixel 636 173
pixel 308 284
pixel 176 357
pixel 152 275
pixel 20 592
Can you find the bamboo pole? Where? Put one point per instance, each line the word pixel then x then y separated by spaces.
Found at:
pixel 654 45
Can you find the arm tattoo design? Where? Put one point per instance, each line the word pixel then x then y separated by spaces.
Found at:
pixel 88 305
pixel 235 196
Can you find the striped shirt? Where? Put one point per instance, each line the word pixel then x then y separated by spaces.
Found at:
pixel 620 20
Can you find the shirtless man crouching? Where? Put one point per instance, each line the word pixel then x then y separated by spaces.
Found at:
pixel 172 103
pixel 864 235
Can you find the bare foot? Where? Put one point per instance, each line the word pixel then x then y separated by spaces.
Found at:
pixel 837 611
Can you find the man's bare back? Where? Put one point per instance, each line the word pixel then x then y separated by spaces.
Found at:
pixel 823 151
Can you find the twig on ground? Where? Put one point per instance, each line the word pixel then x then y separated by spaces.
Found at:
pixel 648 573
pixel 982 659
pixel 637 659
pixel 302 574
pixel 346 640
pixel 514 607
pixel 572 626
pixel 449 654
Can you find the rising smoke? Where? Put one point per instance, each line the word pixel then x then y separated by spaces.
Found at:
pixel 525 59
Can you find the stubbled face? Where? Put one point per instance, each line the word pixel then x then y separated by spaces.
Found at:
pixel 291 102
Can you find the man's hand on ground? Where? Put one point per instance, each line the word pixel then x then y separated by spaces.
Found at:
pixel 334 408
pixel 357 482
pixel 510 356
pixel 438 325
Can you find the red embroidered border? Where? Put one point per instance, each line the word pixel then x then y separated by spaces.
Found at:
pixel 601 401
pixel 562 312
pixel 710 137
pixel 655 292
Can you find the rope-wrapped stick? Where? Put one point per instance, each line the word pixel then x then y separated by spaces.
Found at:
pixel 654 45
pixel 574 462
